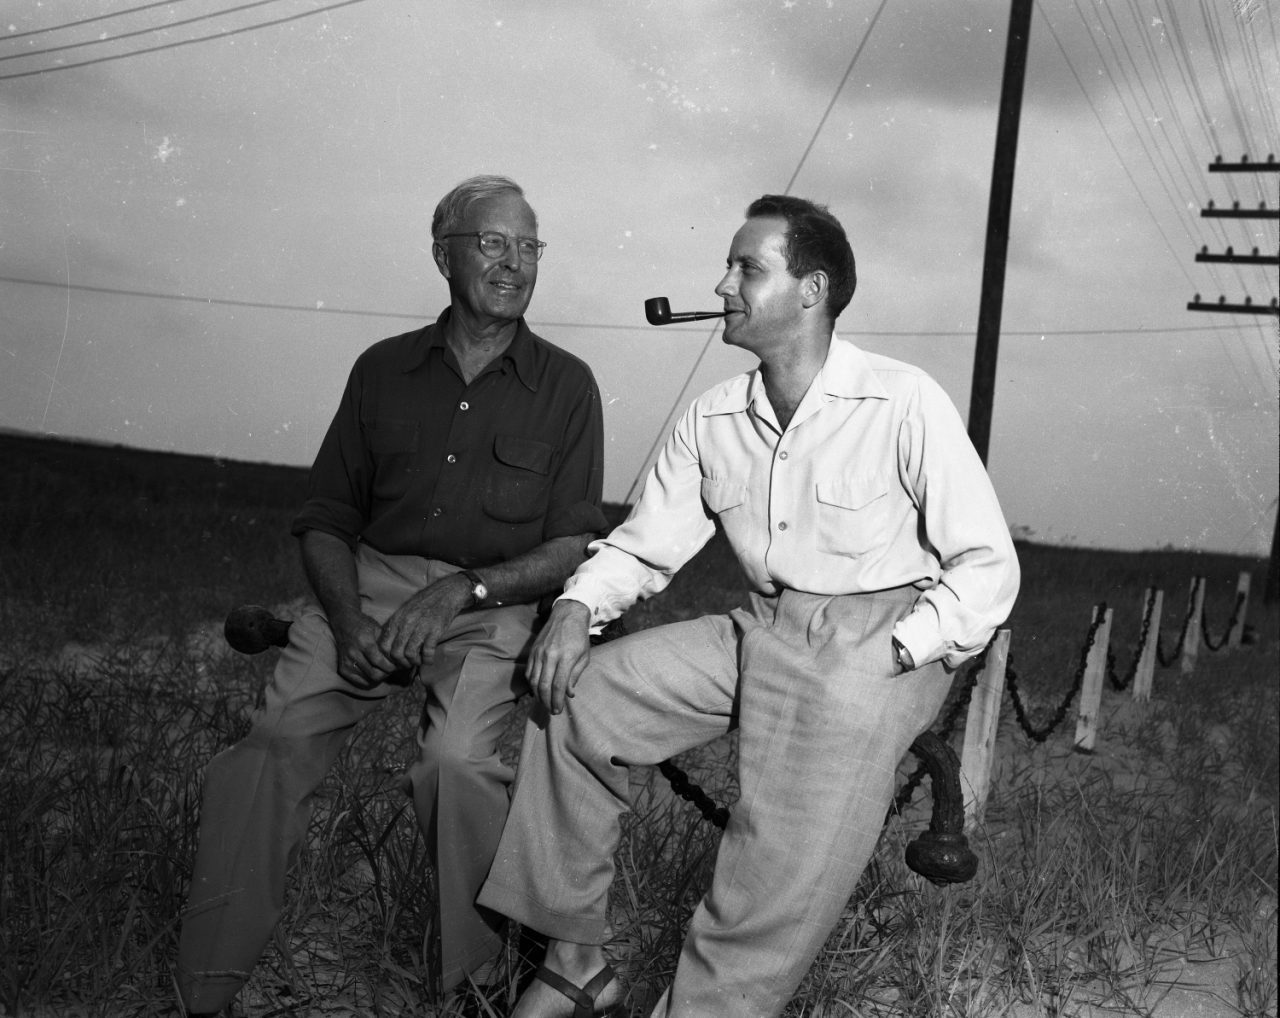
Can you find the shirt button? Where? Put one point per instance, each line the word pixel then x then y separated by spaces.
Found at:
pixel 437 511
pixel 782 526
pixel 782 455
pixel 464 405
pixel 451 458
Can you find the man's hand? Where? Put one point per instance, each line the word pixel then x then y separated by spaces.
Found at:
pixel 360 661
pixel 410 636
pixel 559 654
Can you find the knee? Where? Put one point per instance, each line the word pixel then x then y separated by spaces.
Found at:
pixel 458 750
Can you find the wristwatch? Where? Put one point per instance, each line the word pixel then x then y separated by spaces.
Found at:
pixel 903 657
pixel 478 589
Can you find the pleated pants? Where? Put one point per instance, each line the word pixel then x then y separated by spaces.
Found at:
pixel 258 793
pixel 823 719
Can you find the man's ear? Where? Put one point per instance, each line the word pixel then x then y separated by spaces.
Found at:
pixel 441 257
pixel 814 289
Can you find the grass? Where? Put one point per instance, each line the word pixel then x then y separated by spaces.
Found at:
pixel 1113 881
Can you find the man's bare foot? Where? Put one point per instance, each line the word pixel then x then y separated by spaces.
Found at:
pixel 579 965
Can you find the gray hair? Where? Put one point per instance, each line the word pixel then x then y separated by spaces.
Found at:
pixel 454 205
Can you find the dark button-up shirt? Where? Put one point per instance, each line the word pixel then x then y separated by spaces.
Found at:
pixel 419 462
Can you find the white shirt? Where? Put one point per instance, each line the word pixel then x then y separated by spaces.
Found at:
pixel 874 484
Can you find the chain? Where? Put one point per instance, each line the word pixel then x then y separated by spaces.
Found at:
pixel 1019 709
pixel 719 815
pixel 1235 618
pixel 691 792
pixel 1165 662
pixel 1123 684
pixel 909 787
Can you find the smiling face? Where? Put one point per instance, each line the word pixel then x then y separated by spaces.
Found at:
pixel 490 290
pixel 764 302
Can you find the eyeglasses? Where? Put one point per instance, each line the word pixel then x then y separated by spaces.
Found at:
pixel 494 244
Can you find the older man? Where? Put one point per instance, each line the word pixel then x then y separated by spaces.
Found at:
pixel 880 560
pixel 459 482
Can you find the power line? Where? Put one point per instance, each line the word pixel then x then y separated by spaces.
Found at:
pixel 836 95
pixel 88 21
pixel 183 42
pixel 224 301
pixel 322 309
pixel 136 32
pixel 680 396
pixel 1178 260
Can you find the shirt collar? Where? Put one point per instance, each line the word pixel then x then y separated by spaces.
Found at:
pixel 521 354
pixel 846 373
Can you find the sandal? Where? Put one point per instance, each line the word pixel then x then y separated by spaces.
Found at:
pixel 583 997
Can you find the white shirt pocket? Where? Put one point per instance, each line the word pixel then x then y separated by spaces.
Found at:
pixel 852 514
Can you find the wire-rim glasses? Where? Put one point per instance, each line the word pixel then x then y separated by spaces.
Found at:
pixel 494 245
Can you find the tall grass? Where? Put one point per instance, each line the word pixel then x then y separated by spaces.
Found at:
pixel 1114 880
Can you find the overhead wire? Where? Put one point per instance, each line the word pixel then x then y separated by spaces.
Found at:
pixel 1173 111
pixel 88 21
pixel 1158 161
pixel 1231 90
pixel 324 309
pixel 184 42
pixel 1124 166
pixel 103 41
pixel 1256 71
pixel 680 396
pixel 1221 51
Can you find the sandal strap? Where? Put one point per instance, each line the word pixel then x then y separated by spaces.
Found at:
pixel 583 997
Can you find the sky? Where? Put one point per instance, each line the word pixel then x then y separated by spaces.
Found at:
pixel 199 235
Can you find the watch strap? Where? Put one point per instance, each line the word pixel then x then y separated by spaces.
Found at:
pixel 478 588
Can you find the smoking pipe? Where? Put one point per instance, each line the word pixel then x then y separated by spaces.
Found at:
pixel 658 311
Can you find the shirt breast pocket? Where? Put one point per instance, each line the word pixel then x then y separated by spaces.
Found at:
pixel 394 447
pixel 519 487
pixel 852 514
pixel 721 496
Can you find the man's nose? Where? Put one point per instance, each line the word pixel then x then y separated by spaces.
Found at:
pixel 726 286
pixel 511 254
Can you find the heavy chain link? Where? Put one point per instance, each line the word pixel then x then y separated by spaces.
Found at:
pixel 1165 662
pixel 1235 618
pixel 718 815
pixel 1123 684
pixel 975 667
pixel 1020 710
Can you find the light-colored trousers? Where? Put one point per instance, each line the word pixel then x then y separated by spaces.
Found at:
pixel 257 794
pixel 823 719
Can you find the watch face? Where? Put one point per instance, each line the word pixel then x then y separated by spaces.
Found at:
pixel 479 592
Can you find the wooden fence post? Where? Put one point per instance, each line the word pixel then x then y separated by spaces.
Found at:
pixel 1195 623
pixel 980 726
pixel 1095 671
pixel 1143 677
pixel 1236 635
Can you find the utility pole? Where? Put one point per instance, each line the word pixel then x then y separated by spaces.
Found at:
pixel 1271 592
pixel 982 393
